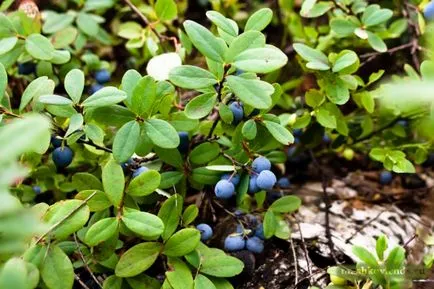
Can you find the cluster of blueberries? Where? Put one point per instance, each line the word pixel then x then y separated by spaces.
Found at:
pixel 261 178
pixel 242 238
pixel 101 76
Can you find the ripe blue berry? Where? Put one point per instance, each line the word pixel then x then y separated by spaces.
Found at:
pixel 224 189
pixel 297 132
pixel 62 156
pixel 139 171
pixel 260 164
pixel 26 68
pixel 235 178
pixel 252 219
pixel 37 189
pixel 429 11
pixel 183 141
pixel 102 76
pixel 266 180
pixel 255 245
pixel 55 141
pixel 238 213
pixel 259 231
pixel 237 111
pixel 402 123
pixel 326 139
pixel 253 187
pixel 385 177
pixel 205 232
pixel 234 243
pixel 284 183
pixel 94 88
pixel 239 72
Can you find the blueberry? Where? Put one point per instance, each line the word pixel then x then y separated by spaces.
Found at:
pixel 259 231
pixel 284 183
pixel 239 72
pixel 139 171
pixel 37 189
pixel 385 177
pixel 239 229
pixel 184 142
pixel 402 123
pixel 224 189
pixel 205 232
pixel 255 245
pixel 26 68
pixel 326 139
pixel 254 112
pixel 291 151
pixel 266 180
pixel 102 76
pixel 126 165
pixel 235 178
pixel 253 221
pixel 55 141
pixel 429 11
pixel 94 88
pixel 253 187
pixel 297 132
pixel 238 112
pixel 234 243
pixel 260 164
pixel 238 213
pixel 62 156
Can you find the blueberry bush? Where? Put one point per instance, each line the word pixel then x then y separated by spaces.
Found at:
pixel 129 132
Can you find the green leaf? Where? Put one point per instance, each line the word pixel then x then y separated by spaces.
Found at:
pixel 191 77
pixel 57 271
pixel 182 242
pixel 221 265
pixel 310 9
pixel 345 60
pixel 403 166
pixel 260 60
pixel 54 99
pixel 367 101
pixel 365 256
pixel 125 141
pixel 130 30
pixel 205 41
pixel 39 47
pixel 3 81
pixel 343 27
pixel 170 213
pixel 87 24
pixel 101 231
pixel 314 98
pixel 129 82
pixel 143 282
pixel 376 42
pixel 270 224
pixel 381 246
pixel 279 132
pixel 112 282
pixel 74 84
pixel 166 10
pixel 190 214
pixel 40 86
pixel 249 129
pixel 245 41
pixel 6 26
pixel 7 44
pixel 86 181
pixel 179 276
pixel 310 54
pixel 144 184
pixel 201 105
pixel 98 202
pixel 204 153
pixel 253 92
pixel 162 133
pixel 113 182
pixel 326 118
pixel 14 274
pixel 144 96
pixel 395 259
pixel 56 22
pixel 373 15
pixel 104 97
pixel 61 210
pixel 137 259
pixel 336 90
pixel 144 224
pixel 283 231
pixel 287 204
pixel 202 282
pixel 60 57
pixel 75 123
pixel 259 20
pixel 221 22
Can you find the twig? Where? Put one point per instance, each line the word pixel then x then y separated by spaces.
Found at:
pixel 303 244
pixel 85 262
pixel 363 226
pixel 295 261
pixel 327 206
pixel 310 276
pixel 4 110
pixel 81 282
pixel 369 135
pixel 409 241
pixel 66 217
pixel 372 55
pixel 94 145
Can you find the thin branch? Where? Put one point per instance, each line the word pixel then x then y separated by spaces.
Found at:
pixel 94 145
pixel 85 262
pixel 66 217
pixel 295 260
pixel 369 135
pixel 363 226
pixel 81 282
pixel 5 111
